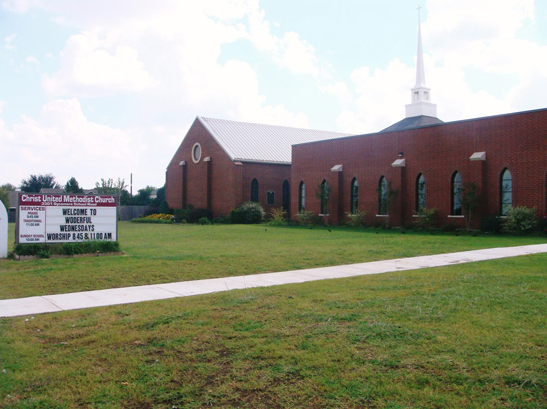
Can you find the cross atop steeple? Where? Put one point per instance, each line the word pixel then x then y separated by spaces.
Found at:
pixel 420 94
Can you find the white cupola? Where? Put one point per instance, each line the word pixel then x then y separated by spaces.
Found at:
pixel 420 103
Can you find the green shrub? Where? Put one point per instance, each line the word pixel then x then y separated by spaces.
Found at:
pixel 107 246
pixel 151 220
pixel 237 217
pixel 449 228
pixel 542 225
pixel 194 215
pixel 278 217
pixel 521 219
pixel 203 221
pixel 306 218
pixel 491 224
pixel 221 220
pixel 155 218
pixel 151 211
pixel 70 249
pixel 356 219
pixel 27 249
pixel 44 254
pixel 164 207
pixel 248 213
pixel 427 218
pixel 45 250
pixel 180 214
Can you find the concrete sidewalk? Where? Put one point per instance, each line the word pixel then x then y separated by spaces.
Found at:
pixel 115 296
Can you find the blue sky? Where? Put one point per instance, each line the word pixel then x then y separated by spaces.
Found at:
pixel 99 89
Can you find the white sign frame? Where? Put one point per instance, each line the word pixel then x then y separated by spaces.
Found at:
pixel 66 218
pixel 3 231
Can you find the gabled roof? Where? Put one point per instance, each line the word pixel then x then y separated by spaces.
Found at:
pixel 52 191
pixel 250 142
pixel 412 123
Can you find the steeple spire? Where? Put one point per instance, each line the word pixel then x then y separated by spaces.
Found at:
pixel 420 94
pixel 420 72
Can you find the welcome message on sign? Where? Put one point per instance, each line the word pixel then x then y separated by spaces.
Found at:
pixel 44 218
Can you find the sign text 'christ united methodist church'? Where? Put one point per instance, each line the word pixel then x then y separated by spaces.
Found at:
pixel 46 218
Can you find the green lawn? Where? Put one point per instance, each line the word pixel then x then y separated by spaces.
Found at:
pixel 462 336
pixel 169 253
pixel 469 336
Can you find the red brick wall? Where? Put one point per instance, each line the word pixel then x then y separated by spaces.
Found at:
pixel 222 174
pixel 230 182
pixel 269 177
pixel 516 141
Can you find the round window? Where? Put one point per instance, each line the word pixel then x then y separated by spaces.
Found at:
pixel 196 152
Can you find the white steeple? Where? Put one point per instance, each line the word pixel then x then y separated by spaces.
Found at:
pixel 420 95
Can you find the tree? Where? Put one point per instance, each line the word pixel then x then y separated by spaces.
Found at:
pixel 37 182
pixel 470 202
pixel 4 198
pixel 4 195
pixel 7 187
pixel 143 196
pixel 386 195
pixel 72 186
pixel 109 187
pixel 160 199
pixel 322 192
pixel 118 188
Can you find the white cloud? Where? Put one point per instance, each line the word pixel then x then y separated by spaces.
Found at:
pixel 338 90
pixel 484 36
pixel 62 141
pixel 289 52
pixel 381 96
pixel 90 66
pixel 172 56
pixel 8 42
pixel 18 6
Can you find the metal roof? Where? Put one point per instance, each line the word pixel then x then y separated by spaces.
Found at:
pixel 249 142
pixel 412 123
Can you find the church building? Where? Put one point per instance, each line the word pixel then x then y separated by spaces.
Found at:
pixel 222 164
pixel 418 162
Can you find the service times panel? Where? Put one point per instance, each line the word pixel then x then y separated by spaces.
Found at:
pixel 32 224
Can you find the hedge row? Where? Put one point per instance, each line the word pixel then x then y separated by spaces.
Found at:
pixel 87 247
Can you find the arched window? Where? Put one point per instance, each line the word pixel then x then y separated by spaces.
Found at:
pixel 254 190
pixel 354 204
pixel 506 192
pixel 286 196
pixel 382 196
pixel 301 197
pixel 456 194
pixel 420 192
pixel 324 197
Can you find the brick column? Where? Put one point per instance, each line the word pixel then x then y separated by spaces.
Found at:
pixel 209 178
pixel 479 177
pixel 398 217
pixel 338 206
pixel 238 185
pixel 184 184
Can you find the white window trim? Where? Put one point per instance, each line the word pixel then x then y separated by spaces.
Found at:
pixel 200 153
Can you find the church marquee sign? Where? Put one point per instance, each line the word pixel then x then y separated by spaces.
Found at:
pixel 54 218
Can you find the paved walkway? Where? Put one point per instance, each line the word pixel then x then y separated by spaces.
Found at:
pixel 115 296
